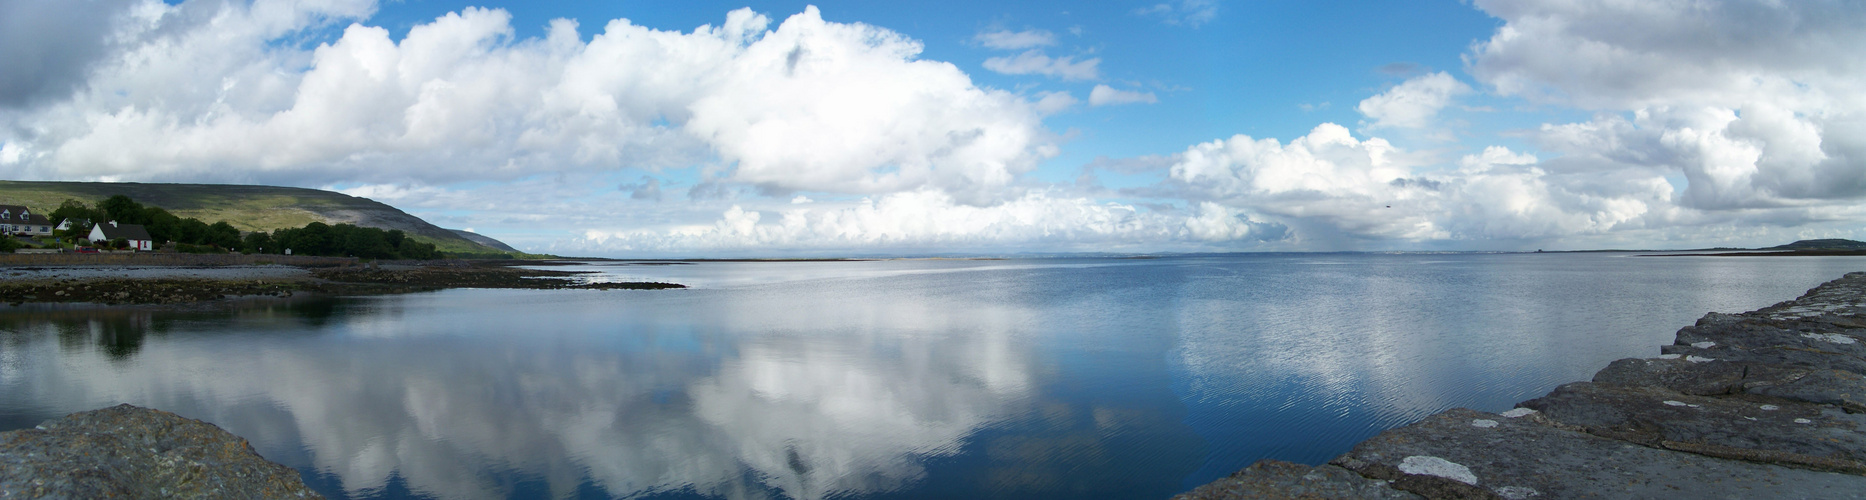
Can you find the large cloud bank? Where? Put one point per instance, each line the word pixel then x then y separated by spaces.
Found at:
pixel 220 91
pixel 1758 105
pixel 1715 121
pixel 809 105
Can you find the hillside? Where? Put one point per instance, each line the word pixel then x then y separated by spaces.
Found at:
pixel 249 208
pixel 483 240
pixel 1829 244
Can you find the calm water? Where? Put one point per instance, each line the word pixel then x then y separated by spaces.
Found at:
pixel 892 379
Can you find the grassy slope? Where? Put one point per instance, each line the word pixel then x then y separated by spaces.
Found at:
pixel 1828 244
pixel 250 208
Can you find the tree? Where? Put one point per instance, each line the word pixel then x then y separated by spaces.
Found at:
pixel 259 242
pixel 318 238
pixel 79 214
pixel 122 209
pixel 222 235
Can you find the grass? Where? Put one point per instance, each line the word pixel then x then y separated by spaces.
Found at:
pixel 250 208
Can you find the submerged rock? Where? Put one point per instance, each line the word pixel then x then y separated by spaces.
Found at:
pixel 130 452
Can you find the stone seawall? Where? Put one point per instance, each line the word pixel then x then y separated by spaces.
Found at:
pixel 1769 403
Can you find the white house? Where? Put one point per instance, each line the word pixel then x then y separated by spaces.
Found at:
pixel 136 234
pixel 67 224
pixel 15 219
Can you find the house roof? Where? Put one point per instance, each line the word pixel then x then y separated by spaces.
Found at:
pixel 30 218
pixel 125 231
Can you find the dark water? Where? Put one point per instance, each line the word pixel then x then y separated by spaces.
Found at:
pixel 896 379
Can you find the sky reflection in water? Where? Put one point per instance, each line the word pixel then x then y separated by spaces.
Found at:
pixel 1028 378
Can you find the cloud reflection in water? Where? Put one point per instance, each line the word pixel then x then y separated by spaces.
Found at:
pixel 564 396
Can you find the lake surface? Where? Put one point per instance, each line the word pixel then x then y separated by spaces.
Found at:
pixel 1037 378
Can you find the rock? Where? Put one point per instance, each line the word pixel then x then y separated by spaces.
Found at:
pixel 1833 387
pixel 1676 374
pixel 1766 342
pixel 1526 458
pixel 1721 427
pixel 1820 386
pixel 130 452
pixel 1275 479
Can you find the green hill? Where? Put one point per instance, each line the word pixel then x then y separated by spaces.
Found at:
pixel 484 240
pixel 1828 244
pixel 249 208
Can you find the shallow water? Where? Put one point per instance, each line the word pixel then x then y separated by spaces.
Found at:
pixel 897 379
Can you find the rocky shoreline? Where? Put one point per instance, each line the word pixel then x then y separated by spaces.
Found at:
pixel 130 452
pixel 1769 403
pixel 166 285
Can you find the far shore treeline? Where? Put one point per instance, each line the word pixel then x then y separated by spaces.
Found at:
pixel 194 236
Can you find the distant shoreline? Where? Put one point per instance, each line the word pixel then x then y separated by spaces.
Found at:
pixel 1779 253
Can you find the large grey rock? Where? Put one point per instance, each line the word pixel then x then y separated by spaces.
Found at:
pixel 1761 341
pixel 1677 374
pixel 1276 479
pixel 1778 432
pixel 1710 378
pixel 130 452
pixel 1839 303
pixel 1832 387
pixel 1468 454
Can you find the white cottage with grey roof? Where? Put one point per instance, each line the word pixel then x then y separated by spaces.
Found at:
pixel 134 233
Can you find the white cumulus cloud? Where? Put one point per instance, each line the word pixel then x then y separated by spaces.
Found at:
pixel 1184 12
pixel 1055 102
pixel 1413 103
pixel 1332 189
pixel 1758 106
pixel 809 105
pixel 1035 62
pixel 933 221
pixel 1015 40
pixel 1103 95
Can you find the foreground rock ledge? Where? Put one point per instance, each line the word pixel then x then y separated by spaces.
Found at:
pixel 130 452
pixel 1765 404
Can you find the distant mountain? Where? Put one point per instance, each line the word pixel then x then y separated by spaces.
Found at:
pixel 483 240
pixel 1828 244
pixel 250 208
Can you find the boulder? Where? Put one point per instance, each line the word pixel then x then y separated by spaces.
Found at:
pixel 1469 454
pixel 129 452
pixel 1279 480
pixel 1760 430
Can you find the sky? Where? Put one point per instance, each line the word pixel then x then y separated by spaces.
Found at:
pixel 698 128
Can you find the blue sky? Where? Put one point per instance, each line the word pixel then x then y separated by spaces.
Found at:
pixel 1249 69
pixel 844 128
